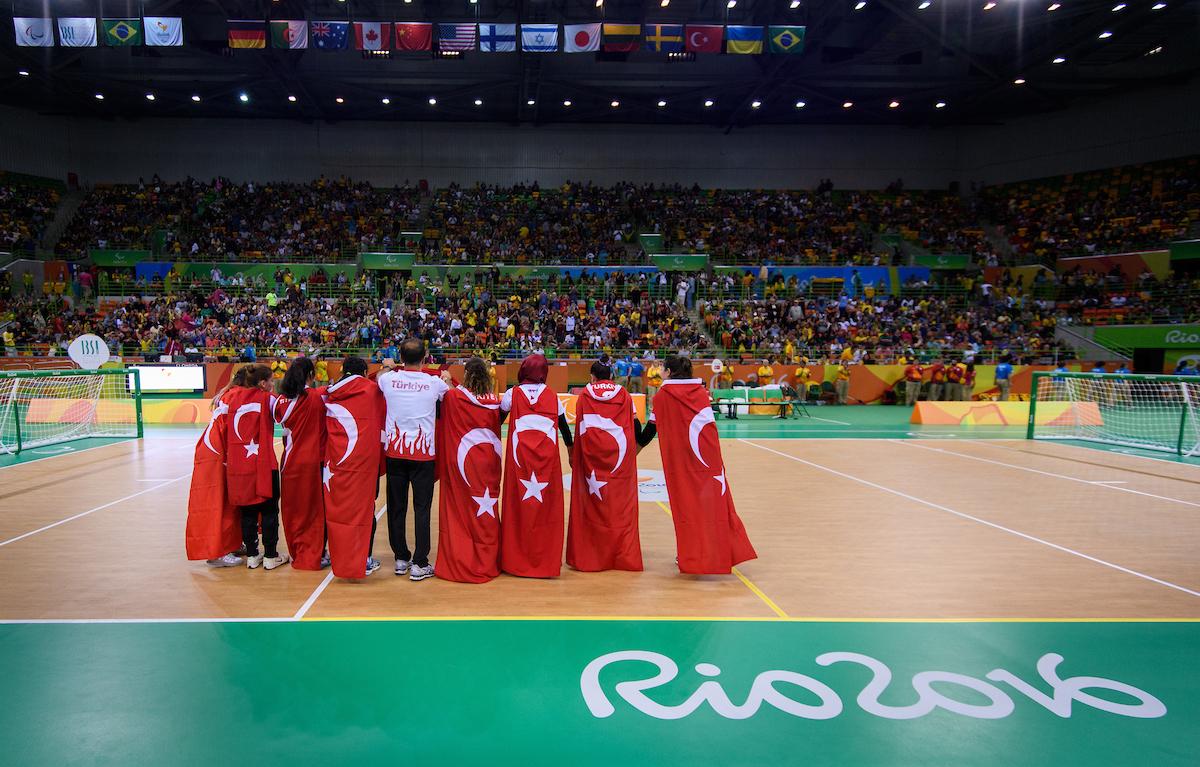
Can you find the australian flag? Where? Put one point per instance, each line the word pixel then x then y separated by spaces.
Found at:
pixel 329 35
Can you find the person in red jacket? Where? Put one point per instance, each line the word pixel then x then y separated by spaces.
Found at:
pixel 251 468
pixel 912 383
pixel 937 380
pixel 301 413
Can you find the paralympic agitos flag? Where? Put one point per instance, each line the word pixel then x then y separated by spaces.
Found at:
pixel 603 531
pixel 710 536
pixel 354 412
pixel 213 524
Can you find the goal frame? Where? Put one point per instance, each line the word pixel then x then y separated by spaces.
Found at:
pixel 135 395
pixel 1187 404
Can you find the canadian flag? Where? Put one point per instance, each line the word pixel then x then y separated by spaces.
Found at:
pixel 372 35
pixel 581 38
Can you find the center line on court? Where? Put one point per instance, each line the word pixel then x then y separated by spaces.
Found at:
pixel 324 584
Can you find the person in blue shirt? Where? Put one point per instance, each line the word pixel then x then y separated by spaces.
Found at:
pixel 1099 368
pixel 1004 377
pixel 636 369
pixel 249 354
pixel 621 371
pixel 1123 370
pixel 1188 368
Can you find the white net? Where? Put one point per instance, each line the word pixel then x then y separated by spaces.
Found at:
pixel 50 407
pixel 1149 412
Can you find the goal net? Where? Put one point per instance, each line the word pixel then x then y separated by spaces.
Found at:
pixel 1144 411
pixel 39 408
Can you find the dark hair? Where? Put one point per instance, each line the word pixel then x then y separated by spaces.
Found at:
pixel 412 351
pixel 679 366
pixel 477 379
pixel 251 375
pixel 354 366
pixel 295 380
pixel 601 371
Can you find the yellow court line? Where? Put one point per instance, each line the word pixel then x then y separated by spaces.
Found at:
pixel 749 583
pixel 725 619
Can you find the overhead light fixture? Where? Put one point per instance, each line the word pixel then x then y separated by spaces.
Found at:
pixel 755 104
pixel 530 103
pixel 99 97
pixel 1118 7
pixel 1059 60
pixel 860 5
pixel 292 99
pixel 800 105
pixel 795 4
pixel 1154 51
pixel 940 105
pixel 385 101
pixel 149 97
pixel 847 104
pixel 1105 35
pixel 709 102
pixel 567 103
pixel 478 102
pixel 661 103
pixel 242 97
pixel 664 3
pixel 731 4
pixel 408 2
pixel 1158 6
pixel 615 104
pixel 989 5
pixel 196 97
pixel 893 104
pixel 924 4
pixel 340 100
pixel 432 102
pixel 599 3
pixel 1054 6
pixel 23 72
pixel 1019 81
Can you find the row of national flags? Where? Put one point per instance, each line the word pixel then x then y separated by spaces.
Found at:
pixel 505 38
pixel 85 32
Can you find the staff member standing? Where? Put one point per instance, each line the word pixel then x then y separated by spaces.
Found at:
pixel 841 383
pixel 912 383
pixel 1004 377
pixel 654 378
pixel 412 398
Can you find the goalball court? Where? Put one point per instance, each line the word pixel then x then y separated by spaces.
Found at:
pixel 923 595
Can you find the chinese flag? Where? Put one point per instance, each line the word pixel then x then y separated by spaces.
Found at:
pixel 213 523
pixel 709 534
pixel 703 38
pixel 414 36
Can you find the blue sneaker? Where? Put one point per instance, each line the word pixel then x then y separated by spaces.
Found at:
pixel 372 565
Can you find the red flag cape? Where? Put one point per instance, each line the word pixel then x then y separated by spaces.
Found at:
pixel 301 497
pixel 603 533
pixel 710 536
pixel 354 411
pixel 213 523
pixel 250 441
pixel 468 450
pixel 531 523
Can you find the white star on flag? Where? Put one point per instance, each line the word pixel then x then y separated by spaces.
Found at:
pixel 487 504
pixel 251 448
pixel 533 488
pixel 326 475
pixel 721 478
pixel 594 485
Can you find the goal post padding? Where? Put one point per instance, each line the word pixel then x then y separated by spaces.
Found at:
pixel 47 407
pixel 1151 412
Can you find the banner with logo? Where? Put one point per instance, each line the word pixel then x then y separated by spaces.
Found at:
pixel 387 260
pixel 684 262
pixel 118 257
pixel 1187 250
pixel 943 261
pixel 1149 336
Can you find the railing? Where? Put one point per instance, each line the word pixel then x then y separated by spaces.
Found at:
pixel 122 288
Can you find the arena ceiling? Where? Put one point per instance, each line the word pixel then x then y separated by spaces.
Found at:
pixel 964 54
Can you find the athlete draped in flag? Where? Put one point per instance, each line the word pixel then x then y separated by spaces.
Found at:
pixel 531 530
pixel 354 411
pixel 603 531
pixel 213 531
pixel 708 532
pixel 468 436
pixel 301 413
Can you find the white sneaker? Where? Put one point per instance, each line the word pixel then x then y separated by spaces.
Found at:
pixel 402 566
pixel 254 561
pixel 229 560
pixel 419 573
pixel 325 561
pixel 270 563
pixel 372 565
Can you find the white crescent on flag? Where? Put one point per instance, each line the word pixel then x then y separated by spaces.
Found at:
pixel 531 422
pixel 342 416
pixel 594 421
pixel 702 419
pixel 698 39
pixel 219 410
pixel 253 407
pixel 471 439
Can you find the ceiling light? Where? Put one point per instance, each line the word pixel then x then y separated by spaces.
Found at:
pixel 567 103
pixel 731 4
pixel 924 4
pixel 1118 7
pixel 292 99
pixel 709 102
pixel 1059 60
pixel 847 104
pixel 1019 81
pixel 599 3
pixel 795 4
pixel 432 102
pixel 1105 35
pixel 989 6
pixel 1158 6
pixel 615 104
pixel 860 5
pixel 893 104
pixel 149 97
pixel 340 100
pixel 800 105
pixel 1154 51
pixel 385 101
pixel 755 104
pixel 940 105
pixel 100 97
pixel 242 97
pixel 661 103
pixel 1054 6
pixel 23 72
pixel 664 3
pixel 196 97
pixel 478 102
pixel 408 2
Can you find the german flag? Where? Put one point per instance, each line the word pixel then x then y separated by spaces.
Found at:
pixel 247 34
pixel 621 38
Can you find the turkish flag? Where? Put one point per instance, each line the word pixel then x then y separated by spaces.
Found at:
pixel 250 452
pixel 415 36
pixel 301 497
pixel 354 411
pixel 703 38
pixel 372 35
pixel 468 466
pixel 709 534
pixel 531 525
pixel 213 523
pixel 603 532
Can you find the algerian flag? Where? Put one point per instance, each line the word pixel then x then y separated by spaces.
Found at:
pixel 289 34
pixel 164 31
pixel 76 32
pixel 34 32
pixel 122 31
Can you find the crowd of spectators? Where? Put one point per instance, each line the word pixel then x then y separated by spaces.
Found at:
pixel 25 211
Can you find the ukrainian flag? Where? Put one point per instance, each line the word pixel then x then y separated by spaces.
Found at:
pixel 743 39
pixel 786 39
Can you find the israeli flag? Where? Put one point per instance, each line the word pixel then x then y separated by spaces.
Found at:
pixel 539 38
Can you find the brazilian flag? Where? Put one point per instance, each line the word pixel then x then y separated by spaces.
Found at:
pixel 786 39
pixel 122 31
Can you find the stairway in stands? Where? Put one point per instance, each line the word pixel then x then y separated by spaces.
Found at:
pixel 68 206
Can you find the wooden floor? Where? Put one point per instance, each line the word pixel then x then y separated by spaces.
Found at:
pixel 845 529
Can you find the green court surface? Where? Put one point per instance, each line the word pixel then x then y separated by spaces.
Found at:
pixel 602 692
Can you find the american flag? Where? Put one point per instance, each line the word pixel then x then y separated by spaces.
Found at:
pixel 456 37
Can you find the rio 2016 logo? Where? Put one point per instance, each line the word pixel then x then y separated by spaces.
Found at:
pixel 1063 692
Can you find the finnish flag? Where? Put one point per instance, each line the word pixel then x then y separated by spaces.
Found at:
pixel 498 38
pixel 539 38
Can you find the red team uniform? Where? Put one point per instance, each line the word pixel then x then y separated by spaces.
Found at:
pixel 354 412
pixel 302 502
pixel 531 538
pixel 213 522
pixel 250 440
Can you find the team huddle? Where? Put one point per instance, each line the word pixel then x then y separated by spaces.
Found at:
pixel 501 507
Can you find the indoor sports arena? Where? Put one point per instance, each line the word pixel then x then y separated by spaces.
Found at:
pixel 754 383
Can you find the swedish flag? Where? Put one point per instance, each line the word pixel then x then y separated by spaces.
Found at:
pixel 786 39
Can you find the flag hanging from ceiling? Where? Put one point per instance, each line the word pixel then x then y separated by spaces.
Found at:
pixel 76 32
pixel 247 34
pixel 621 38
pixel 372 35
pixel 122 31
pixel 786 39
pixel 289 34
pixel 329 35
pixel 414 36
pixel 164 31
pixel 456 37
pixel 498 38
pixel 664 38
pixel 743 39
pixel 704 38
pixel 539 38
pixel 581 38
pixel 34 32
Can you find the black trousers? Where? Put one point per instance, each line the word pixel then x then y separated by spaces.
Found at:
pixel 268 512
pixel 402 472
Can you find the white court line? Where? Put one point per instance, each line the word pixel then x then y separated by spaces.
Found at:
pixel 70 452
pixel 51 621
pixel 1109 482
pixel 827 420
pixel 312 598
pixel 93 511
pixel 981 521
pixel 1059 443
pixel 1044 473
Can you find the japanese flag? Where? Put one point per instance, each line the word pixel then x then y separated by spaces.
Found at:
pixel 581 38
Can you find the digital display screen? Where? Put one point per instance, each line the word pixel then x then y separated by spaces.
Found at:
pixel 174 379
